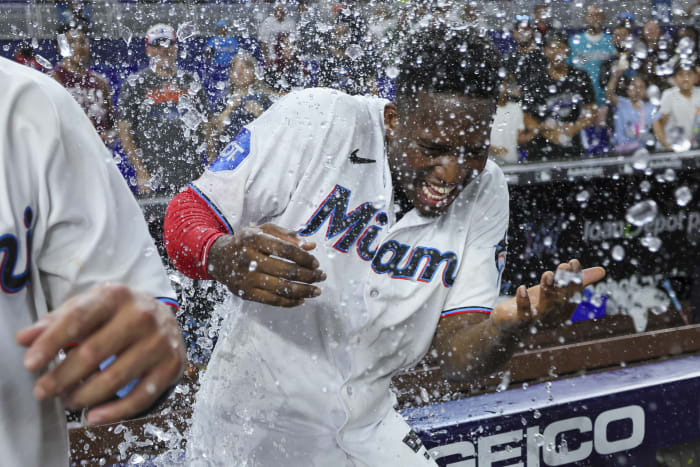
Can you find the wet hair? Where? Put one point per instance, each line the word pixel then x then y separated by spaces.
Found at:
pixel 442 60
pixel 75 24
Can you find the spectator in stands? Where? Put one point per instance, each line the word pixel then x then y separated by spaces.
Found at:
pixel 70 12
pixel 511 127
pixel 678 122
pixel 275 24
pixel 633 114
pixel 654 54
pixel 350 63
pixel 89 89
pixel 311 36
pixel 527 62
pixel 286 71
pixel 161 112
pixel 222 47
pixel 622 40
pixel 247 97
pixel 563 103
pixel 543 21
pixel 590 48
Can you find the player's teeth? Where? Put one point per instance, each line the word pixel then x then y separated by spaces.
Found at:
pixel 430 195
pixel 442 190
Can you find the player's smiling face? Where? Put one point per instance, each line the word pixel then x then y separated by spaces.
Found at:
pixel 439 145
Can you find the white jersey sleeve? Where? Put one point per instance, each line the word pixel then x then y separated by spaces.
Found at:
pixel 478 280
pixel 90 228
pixel 255 176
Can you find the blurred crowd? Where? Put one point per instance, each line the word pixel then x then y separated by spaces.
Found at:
pixel 622 85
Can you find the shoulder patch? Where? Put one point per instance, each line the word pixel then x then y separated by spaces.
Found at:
pixel 235 153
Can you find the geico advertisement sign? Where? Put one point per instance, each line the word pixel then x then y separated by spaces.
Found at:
pixel 534 446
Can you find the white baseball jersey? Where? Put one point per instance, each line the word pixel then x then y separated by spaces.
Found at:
pixel 309 386
pixel 67 223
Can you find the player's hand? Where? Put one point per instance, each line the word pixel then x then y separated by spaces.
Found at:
pixel 548 304
pixel 266 264
pixel 107 320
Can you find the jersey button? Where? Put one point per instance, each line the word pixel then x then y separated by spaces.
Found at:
pixel 374 293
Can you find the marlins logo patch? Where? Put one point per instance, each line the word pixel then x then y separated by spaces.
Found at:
pixel 500 256
pixel 235 153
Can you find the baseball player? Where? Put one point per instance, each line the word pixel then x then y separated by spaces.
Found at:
pixel 63 212
pixel 355 231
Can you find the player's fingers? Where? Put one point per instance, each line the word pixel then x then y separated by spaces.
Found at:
pixel 287 235
pixel 74 320
pixel 132 363
pixel 284 288
pixel 575 265
pixel 283 249
pixel 592 275
pixel 289 271
pixel 140 398
pixel 270 298
pixel 522 299
pixel 109 340
pixel 26 336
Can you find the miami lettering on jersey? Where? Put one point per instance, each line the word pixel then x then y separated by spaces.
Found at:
pixel 9 249
pixel 360 228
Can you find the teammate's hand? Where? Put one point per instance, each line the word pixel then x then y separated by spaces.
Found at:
pixel 548 304
pixel 107 320
pixel 266 264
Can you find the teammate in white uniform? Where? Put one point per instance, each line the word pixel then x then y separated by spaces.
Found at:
pixel 309 386
pixel 64 212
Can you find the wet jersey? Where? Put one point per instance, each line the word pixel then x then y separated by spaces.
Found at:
pixel 309 385
pixel 63 212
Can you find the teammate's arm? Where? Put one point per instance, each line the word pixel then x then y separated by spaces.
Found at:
pixel 133 153
pixel 265 264
pixel 472 345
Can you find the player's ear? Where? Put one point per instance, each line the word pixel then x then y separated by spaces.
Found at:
pixel 391 121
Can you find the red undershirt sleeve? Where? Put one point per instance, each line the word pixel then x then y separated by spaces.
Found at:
pixel 191 227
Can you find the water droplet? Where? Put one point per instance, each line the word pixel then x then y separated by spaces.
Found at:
pixel 640 159
pixel 652 243
pixel 562 277
pixel 670 175
pixel 43 61
pixel 185 31
pixel 505 381
pixel 125 33
pixel 645 186
pixel 618 253
pixel 392 72
pixel 642 213
pixel 536 414
pixel 654 95
pixel 253 266
pixel 149 251
pixel 547 241
pixel 640 51
pixel 583 196
pixel 680 145
pixel 63 45
pixel 354 51
pixel 683 196
pixel 502 72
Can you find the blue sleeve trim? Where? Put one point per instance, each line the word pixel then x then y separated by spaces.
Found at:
pixel 170 302
pixel 212 207
pixel 468 309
